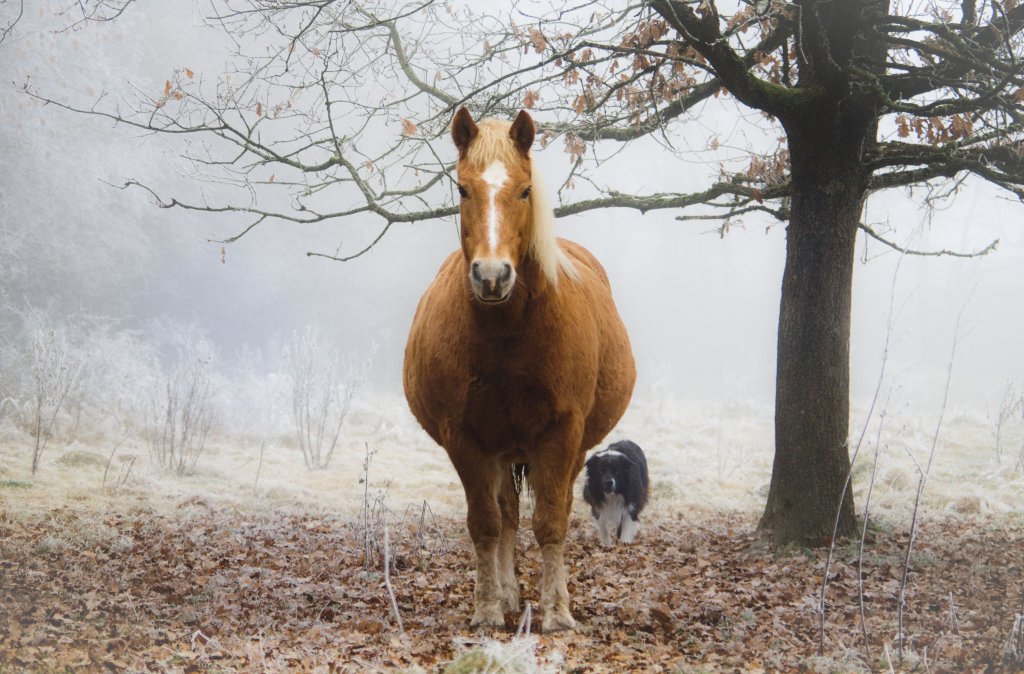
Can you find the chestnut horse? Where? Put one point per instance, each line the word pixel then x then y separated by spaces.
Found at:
pixel 516 355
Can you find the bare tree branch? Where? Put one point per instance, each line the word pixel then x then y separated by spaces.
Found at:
pixel 308 119
pixel 927 253
pixel 9 27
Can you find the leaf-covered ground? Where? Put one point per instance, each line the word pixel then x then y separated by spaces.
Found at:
pixel 205 589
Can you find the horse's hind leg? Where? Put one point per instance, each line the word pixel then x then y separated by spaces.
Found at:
pixel 508 503
pixel 481 479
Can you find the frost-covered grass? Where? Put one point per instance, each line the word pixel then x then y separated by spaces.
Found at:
pixel 517 655
pixel 704 460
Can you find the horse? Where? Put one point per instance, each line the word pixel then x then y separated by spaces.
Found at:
pixel 516 357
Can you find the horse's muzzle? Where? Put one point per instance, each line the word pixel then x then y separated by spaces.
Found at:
pixel 492 280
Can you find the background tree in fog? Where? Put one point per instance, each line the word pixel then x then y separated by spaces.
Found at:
pixel 339 110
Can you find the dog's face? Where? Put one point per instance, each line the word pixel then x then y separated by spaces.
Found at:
pixel 607 471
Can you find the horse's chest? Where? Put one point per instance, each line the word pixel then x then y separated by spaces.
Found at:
pixel 507 408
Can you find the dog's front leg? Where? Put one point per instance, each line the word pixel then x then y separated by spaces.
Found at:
pixel 630 527
pixel 607 522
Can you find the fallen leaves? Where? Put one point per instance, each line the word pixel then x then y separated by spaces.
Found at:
pixel 202 589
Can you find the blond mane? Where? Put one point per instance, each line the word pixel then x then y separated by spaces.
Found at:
pixel 494 143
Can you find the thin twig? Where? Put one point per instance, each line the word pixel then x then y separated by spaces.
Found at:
pixel 123 482
pixel 109 459
pixel 387 578
pixel 263 445
pixel 945 252
pixel 954 622
pixel 901 601
pixel 864 530
pixel 525 621
pixel 848 482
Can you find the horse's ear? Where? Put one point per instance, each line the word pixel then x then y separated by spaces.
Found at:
pixel 522 132
pixel 464 130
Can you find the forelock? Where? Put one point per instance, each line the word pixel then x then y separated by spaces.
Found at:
pixel 492 144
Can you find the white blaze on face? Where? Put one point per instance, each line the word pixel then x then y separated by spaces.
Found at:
pixel 495 176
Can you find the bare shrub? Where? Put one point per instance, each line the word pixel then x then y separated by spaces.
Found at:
pixel 54 370
pixel 8 354
pixel 322 390
pixel 120 369
pixel 1011 411
pixel 372 514
pixel 181 412
pixel 255 396
pixel 124 472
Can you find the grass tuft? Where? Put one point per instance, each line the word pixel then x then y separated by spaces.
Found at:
pixel 81 459
pixel 518 656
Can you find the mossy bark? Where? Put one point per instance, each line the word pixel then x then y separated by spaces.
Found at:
pixel 812 464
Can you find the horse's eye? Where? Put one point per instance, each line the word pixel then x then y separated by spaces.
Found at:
pixel 463 193
pixel 525 194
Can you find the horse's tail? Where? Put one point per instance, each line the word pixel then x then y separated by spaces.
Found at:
pixel 520 471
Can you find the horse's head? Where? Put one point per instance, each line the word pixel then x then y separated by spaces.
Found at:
pixel 497 205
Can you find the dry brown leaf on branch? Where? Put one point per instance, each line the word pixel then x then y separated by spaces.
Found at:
pixel 408 128
pixel 902 128
pixel 540 43
pixel 575 147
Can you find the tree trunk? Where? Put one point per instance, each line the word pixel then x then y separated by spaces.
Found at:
pixel 812 462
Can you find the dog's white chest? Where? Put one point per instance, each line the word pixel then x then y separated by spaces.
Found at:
pixel 614 518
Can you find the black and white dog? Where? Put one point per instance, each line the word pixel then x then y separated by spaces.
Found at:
pixel 616 489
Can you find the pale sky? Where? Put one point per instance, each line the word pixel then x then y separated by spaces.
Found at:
pixel 701 310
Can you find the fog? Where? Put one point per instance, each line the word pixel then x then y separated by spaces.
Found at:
pixel 701 309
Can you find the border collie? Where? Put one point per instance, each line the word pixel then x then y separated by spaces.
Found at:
pixel 616 489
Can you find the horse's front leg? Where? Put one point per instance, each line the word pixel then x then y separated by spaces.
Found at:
pixel 551 477
pixel 508 503
pixel 481 479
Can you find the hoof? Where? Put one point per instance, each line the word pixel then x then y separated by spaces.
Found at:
pixel 489 617
pixel 510 602
pixel 557 622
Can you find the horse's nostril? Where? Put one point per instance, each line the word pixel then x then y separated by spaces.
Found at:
pixel 506 272
pixel 475 271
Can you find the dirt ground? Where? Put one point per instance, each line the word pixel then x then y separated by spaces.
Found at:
pixel 198 586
